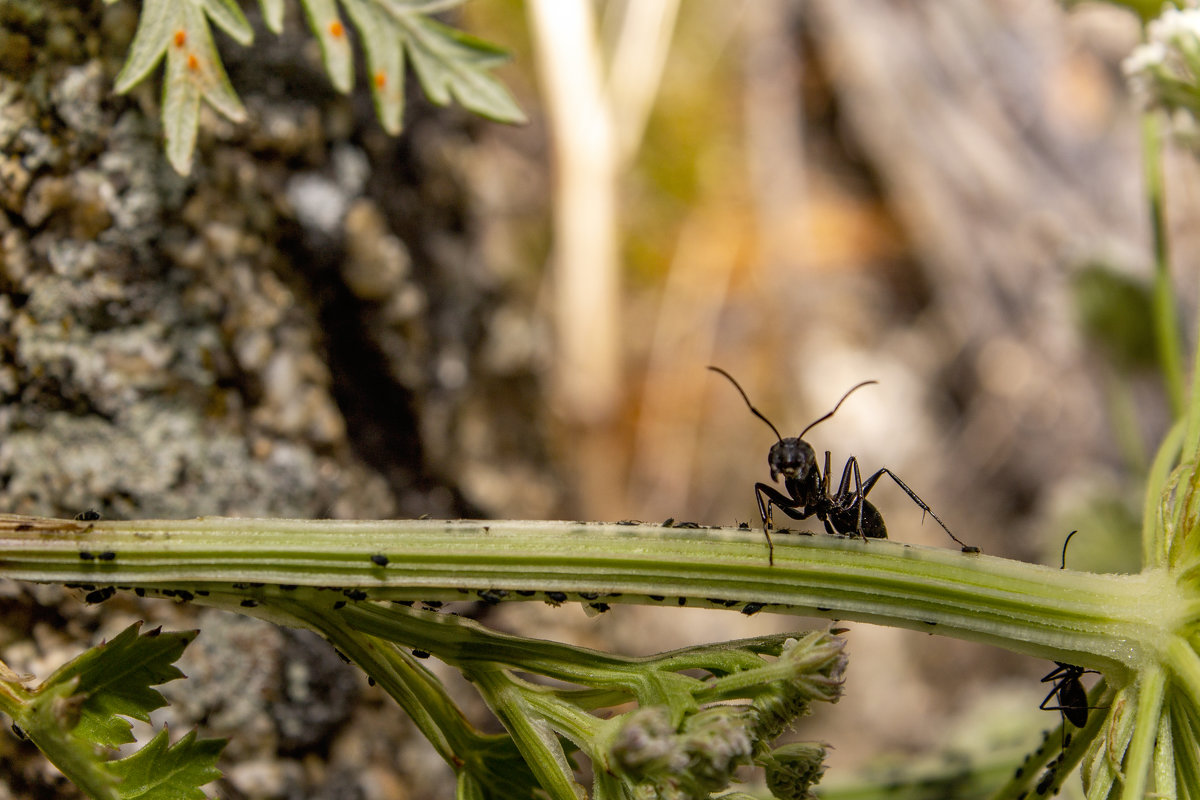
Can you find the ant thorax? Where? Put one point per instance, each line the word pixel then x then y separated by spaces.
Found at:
pixel 792 457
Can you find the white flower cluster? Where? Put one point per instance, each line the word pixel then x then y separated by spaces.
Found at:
pixel 1165 71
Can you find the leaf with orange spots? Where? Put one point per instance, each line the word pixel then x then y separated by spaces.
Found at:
pixel 327 26
pixel 385 61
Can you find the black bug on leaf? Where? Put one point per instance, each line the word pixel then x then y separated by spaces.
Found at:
pixel 846 510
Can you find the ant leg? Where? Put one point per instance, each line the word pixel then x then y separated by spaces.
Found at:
pixel 871 481
pixel 851 469
pixel 777 499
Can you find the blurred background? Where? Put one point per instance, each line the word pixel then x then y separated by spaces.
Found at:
pixel 477 320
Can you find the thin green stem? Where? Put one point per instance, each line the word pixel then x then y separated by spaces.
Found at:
pixel 1140 758
pixel 1167 330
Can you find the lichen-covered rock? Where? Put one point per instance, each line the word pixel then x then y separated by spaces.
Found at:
pixel 305 327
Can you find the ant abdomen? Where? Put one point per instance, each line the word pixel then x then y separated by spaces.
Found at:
pixel 845 521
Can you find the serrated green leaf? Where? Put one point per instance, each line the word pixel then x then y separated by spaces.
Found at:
pixel 272 14
pixel 229 18
pixel 335 45
pixel 114 680
pixel 385 61
pixel 160 771
pixel 149 43
pixel 201 65
pixel 450 63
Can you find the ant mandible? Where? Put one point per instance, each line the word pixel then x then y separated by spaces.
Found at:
pixel 846 511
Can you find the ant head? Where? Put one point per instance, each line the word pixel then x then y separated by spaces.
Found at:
pixel 792 458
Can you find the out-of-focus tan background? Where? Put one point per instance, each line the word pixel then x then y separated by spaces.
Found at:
pixel 474 320
pixel 814 194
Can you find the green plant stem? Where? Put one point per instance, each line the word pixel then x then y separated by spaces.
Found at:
pixel 1167 330
pixel 1107 622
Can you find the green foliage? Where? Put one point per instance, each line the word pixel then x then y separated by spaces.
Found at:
pixel 76 714
pixel 449 64
pixel 163 771
pixel 116 677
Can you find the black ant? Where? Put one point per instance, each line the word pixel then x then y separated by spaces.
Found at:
pixel 846 511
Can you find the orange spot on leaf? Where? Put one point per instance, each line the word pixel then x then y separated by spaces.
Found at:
pixel 336 29
pixel 180 38
pixel 193 62
pixel 380 80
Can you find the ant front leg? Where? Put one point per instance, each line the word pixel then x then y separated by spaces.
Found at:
pixel 788 505
pixel 871 481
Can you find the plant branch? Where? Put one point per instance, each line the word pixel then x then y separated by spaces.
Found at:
pixel 1098 621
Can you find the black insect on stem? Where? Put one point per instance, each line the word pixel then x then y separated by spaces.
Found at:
pixel 846 510
pixel 1069 692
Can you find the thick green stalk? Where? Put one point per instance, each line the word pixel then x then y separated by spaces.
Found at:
pixel 1109 622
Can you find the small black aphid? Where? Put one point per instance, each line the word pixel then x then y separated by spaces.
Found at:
pixel 420 654
pixel 752 608
pixel 557 597
pixel 370 681
pixel 107 555
pixel 405 603
pixel 140 592
pixel 668 522
pixel 589 595
pixel 84 555
pixel 525 593
pixel 248 603
pixel 91 515
pixel 20 734
pixel 339 604
pixel 683 601
pixel 379 560
pixel 433 603
pixel 492 596
pixel 599 607
pixel 658 598
pixel 100 595
pixel 355 594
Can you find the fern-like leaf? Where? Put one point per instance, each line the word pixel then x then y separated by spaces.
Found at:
pixel 169 772
pixel 450 65
pixel 114 680
pixel 84 707
pixel 178 30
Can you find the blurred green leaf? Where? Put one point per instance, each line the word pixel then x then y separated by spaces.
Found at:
pixel 1116 312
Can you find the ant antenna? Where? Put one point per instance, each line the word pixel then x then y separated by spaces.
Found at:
pixel 853 389
pixel 1064 554
pixel 750 405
